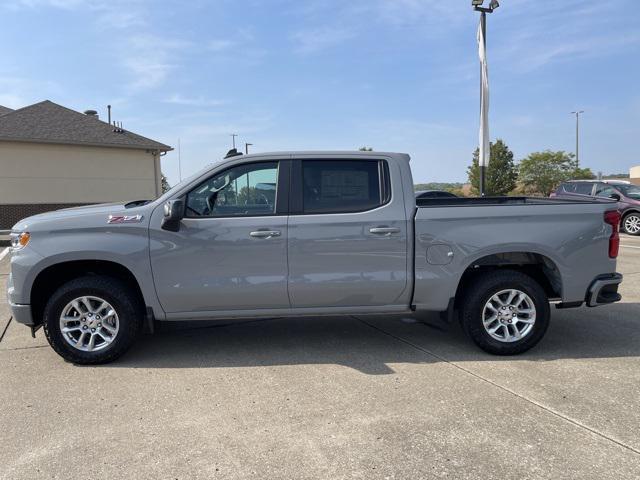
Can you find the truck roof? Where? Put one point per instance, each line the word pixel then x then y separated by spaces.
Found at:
pixel 609 181
pixel 336 153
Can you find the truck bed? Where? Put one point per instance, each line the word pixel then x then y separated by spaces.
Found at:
pixel 568 235
pixel 486 201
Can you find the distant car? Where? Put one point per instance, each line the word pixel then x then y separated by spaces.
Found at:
pixel 422 194
pixel 627 194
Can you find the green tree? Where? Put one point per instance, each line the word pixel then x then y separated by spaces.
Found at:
pixel 164 182
pixel 542 172
pixel 501 174
pixel 582 174
pixel 366 149
pixel 447 187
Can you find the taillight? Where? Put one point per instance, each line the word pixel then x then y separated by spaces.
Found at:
pixel 613 217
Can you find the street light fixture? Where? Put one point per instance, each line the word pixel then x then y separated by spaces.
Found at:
pixel 477 6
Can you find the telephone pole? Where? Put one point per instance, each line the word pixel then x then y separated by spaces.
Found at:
pixel 577 114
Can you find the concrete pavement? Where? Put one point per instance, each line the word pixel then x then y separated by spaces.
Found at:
pixel 375 397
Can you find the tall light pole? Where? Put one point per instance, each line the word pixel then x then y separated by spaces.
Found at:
pixel 246 148
pixel 484 145
pixel 233 136
pixel 577 114
pixel 179 161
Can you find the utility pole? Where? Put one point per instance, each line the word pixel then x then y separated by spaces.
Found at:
pixel 179 162
pixel 233 136
pixel 577 114
pixel 246 148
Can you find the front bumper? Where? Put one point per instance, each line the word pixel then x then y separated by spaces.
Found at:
pixel 604 290
pixel 21 313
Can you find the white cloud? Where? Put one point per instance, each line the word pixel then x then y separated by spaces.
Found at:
pixel 243 126
pixel 65 4
pixel 119 14
pixel 146 72
pixel 313 40
pixel 220 45
pixel 117 18
pixel 18 92
pixel 150 58
pixel 12 100
pixel 560 32
pixel 179 99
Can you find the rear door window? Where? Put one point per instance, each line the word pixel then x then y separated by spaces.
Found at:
pixel 580 188
pixel 342 186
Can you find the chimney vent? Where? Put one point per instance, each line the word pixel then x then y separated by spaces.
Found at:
pixel 91 113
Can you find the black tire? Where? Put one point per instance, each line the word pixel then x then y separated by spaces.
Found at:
pixel 624 223
pixel 486 285
pixel 127 306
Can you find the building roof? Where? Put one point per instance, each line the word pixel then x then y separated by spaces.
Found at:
pixel 4 110
pixel 48 122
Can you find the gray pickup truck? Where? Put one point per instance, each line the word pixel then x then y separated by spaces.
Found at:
pixel 307 234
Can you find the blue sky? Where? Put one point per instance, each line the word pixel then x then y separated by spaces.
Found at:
pixel 396 75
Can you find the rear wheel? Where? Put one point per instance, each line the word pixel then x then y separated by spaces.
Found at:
pixel 505 312
pixel 92 320
pixel 631 224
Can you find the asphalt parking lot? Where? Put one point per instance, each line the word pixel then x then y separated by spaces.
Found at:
pixel 384 397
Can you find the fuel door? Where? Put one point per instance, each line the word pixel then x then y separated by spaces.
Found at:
pixel 439 254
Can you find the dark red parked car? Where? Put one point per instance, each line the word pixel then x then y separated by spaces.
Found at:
pixel 627 194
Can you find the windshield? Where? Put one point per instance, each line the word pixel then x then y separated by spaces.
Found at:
pixel 631 191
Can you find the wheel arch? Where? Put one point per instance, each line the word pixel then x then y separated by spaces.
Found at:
pixel 629 211
pixel 536 265
pixel 53 276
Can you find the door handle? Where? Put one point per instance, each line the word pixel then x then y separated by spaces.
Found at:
pixel 265 233
pixel 384 230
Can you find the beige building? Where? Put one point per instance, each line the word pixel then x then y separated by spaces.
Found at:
pixel 52 157
pixel 634 173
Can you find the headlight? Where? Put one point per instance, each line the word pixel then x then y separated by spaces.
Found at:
pixel 19 240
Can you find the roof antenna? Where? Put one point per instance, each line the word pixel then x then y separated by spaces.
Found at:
pixel 232 153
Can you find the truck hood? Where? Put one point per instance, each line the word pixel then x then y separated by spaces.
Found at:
pixel 70 214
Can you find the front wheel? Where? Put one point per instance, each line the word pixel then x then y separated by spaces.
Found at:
pixel 631 224
pixel 505 312
pixel 92 320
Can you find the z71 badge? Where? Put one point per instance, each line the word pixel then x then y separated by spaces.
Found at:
pixel 124 219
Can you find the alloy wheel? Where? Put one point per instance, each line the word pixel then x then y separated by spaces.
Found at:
pixel 89 323
pixel 632 224
pixel 509 315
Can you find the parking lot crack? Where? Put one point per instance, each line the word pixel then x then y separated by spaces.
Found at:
pixel 505 389
pixel 6 327
pixel 22 348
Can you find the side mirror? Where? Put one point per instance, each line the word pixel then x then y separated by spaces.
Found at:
pixel 173 213
pixel 615 196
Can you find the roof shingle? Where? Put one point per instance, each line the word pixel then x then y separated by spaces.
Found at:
pixel 48 122
pixel 4 110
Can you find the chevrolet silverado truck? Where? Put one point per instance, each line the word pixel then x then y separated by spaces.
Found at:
pixel 305 234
